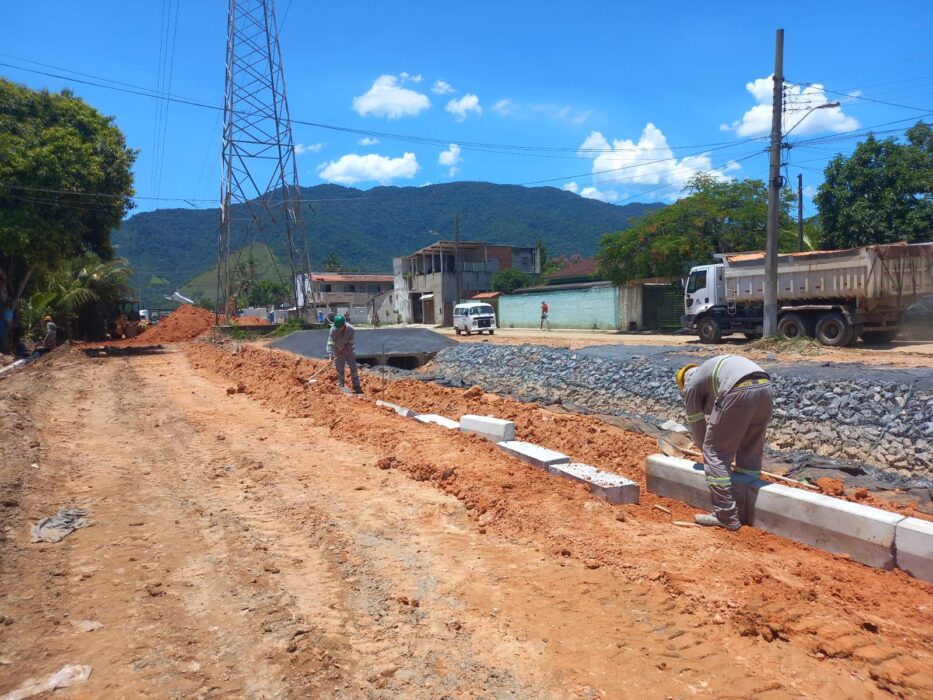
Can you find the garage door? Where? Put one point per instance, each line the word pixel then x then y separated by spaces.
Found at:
pixel 662 306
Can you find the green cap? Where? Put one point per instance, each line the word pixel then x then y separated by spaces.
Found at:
pixel 339 321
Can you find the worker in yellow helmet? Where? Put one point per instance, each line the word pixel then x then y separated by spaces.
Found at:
pixel 728 400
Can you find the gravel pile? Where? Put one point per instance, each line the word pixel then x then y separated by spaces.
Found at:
pixel 862 420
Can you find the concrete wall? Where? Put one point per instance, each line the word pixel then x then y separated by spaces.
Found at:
pixel 592 307
pixel 630 306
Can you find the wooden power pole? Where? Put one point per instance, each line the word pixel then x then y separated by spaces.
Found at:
pixel 774 192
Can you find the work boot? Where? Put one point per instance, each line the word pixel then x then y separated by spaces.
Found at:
pixel 357 390
pixel 710 520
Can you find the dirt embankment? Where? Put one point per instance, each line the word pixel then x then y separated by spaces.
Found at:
pixel 763 586
pixel 184 323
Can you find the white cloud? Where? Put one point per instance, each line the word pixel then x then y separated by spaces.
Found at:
pixel 798 101
pixel 592 192
pixel 450 159
pixel 507 107
pixel 301 149
pixel 368 141
pixel 353 168
pixel 462 107
pixel 809 192
pixel 647 162
pixel 504 107
pixel 442 87
pixel 387 98
pixel 602 196
pixel 405 77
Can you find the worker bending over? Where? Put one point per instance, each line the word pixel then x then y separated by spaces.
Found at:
pixel 341 352
pixel 736 395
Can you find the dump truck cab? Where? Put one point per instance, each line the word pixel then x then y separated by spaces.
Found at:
pixel 703 290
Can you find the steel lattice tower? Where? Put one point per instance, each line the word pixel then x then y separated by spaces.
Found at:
pixel 259 194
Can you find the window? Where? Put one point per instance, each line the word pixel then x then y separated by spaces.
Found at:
pixel 351 287
pixel 697 281
pixel 326 287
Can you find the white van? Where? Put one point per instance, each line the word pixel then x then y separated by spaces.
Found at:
pixel 474 316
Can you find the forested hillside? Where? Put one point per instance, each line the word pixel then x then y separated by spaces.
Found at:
pixel 365 229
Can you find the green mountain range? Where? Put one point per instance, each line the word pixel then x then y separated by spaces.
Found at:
pixel 365 229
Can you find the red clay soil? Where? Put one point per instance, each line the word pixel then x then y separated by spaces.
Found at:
pixel 879 622
pixel 184 323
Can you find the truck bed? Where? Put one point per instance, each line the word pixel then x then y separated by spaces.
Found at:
pixel 878 276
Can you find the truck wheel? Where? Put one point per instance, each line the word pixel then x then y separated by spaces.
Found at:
pixel 833 330
pixel 491 332
pixel 794 326
pixel 709 330
pixel 879 337
pixel 855 335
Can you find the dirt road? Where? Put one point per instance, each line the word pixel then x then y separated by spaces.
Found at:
pixel 250 538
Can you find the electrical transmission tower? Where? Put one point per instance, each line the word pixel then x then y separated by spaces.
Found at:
pixel 259 195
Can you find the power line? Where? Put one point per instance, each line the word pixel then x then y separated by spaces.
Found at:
pixel 854 96
pixel 469 145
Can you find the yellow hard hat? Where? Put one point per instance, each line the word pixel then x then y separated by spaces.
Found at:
pixel 681 373
pixel 47 318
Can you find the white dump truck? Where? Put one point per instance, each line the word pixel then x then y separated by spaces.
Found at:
pixel 837 296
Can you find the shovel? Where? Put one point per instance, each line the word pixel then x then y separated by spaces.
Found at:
pixel 311 379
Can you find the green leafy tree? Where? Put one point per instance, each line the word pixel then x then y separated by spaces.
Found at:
pixel 65 184
pixel 80 294
pixel 716 216
pixel 879 194
pixel 266 292
pixel 507 281
pixel 331 263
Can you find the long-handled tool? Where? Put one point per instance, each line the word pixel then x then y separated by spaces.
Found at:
pixel 311 379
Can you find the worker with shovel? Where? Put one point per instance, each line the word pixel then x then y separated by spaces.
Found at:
pixel 340 351
pixel 736 395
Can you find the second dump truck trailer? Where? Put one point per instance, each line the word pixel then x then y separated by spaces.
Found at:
pixel 836 296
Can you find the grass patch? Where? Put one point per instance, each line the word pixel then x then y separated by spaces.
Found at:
pixel 781 343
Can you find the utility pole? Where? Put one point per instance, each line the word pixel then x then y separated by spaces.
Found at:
pixel 800 211
pixel 457 263
pixel 769 326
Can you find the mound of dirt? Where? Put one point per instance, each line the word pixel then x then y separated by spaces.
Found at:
pixel 184 323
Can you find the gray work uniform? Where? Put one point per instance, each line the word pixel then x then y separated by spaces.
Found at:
pixel 736 394
pixel 340 346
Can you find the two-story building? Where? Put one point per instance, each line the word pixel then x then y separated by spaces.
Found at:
pixel 431 281
pixel 350 294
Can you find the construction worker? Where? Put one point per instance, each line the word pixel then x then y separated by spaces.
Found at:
pixel 736 395
pixel 51 335
pixel 341 352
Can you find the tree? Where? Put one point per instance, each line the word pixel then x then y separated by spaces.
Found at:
pixel 65 184
pixel 331 263
pixel 879 194
pixel 266 292
pixel 716 216
pixel 507 281
pixel 80 294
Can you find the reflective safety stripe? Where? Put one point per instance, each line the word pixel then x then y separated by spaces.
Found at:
pixel 750 472
pixel 695 417
pixel 714 378
pixel 719 480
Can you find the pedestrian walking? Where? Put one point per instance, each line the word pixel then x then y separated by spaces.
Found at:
pixel 728 400
pixel 544 316
pixel 341 351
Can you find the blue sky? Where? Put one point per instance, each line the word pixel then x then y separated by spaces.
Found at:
pixel 652 93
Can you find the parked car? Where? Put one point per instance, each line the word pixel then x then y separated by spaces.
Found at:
pixel 474 317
